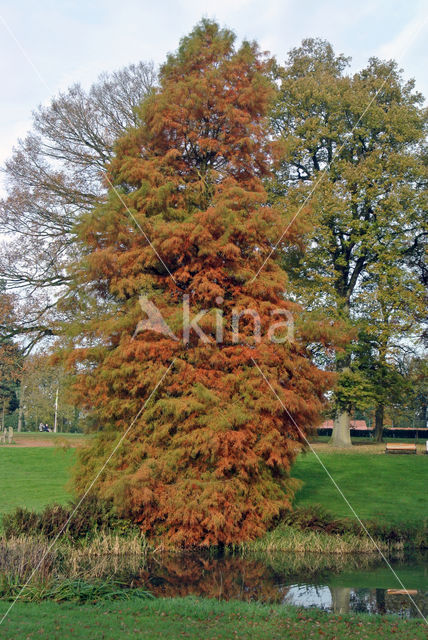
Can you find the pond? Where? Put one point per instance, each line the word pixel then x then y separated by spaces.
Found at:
pixel 360 583
pixel 332 582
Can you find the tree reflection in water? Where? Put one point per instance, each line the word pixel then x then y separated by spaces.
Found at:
pixel 225 578
pixel 340 598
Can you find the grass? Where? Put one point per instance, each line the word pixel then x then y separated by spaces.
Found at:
pixel 389 489
pixel 67 590
pixel 33 476
pixel 380 487
pixel 195 619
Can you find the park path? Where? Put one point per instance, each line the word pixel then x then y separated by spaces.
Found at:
pixel 20 440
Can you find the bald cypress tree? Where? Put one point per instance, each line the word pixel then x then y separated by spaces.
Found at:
pixel 208 459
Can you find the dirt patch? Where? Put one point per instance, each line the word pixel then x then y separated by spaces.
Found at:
pixel 28 442
pixel 23 441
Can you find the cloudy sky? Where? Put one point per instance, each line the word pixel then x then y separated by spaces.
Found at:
pixel 47 45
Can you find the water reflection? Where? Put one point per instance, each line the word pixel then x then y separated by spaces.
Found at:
pixel 345 599
pixel 322 582
pixel 225 578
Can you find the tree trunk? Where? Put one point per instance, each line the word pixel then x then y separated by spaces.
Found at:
pixel 378 434
pixel 424 414
pixel 341 436
pixel 21 409
pixel 3 414
pixel 340 597
pixel 56 411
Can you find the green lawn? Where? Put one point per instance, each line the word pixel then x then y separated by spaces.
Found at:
pixel 389 488
pixel 33 476
pixel 380 487
pixel 171 619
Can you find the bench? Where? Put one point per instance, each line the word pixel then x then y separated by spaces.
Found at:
pixel 400 447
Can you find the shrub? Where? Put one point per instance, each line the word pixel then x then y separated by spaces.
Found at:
pixel 316 518
pixel 74 521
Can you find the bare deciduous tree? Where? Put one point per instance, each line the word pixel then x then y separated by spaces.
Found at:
pixel 54 175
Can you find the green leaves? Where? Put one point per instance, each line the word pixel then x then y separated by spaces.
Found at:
pixel 352 149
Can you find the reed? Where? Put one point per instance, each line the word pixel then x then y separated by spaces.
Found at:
pixel 290 539
pixel 92 559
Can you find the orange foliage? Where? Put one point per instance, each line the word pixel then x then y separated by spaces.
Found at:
pixel 208 460
pixel 10 356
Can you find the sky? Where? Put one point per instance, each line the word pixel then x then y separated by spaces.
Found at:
pixel 48 45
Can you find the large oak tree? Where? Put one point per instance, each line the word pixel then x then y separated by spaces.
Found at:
pixel 352 148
